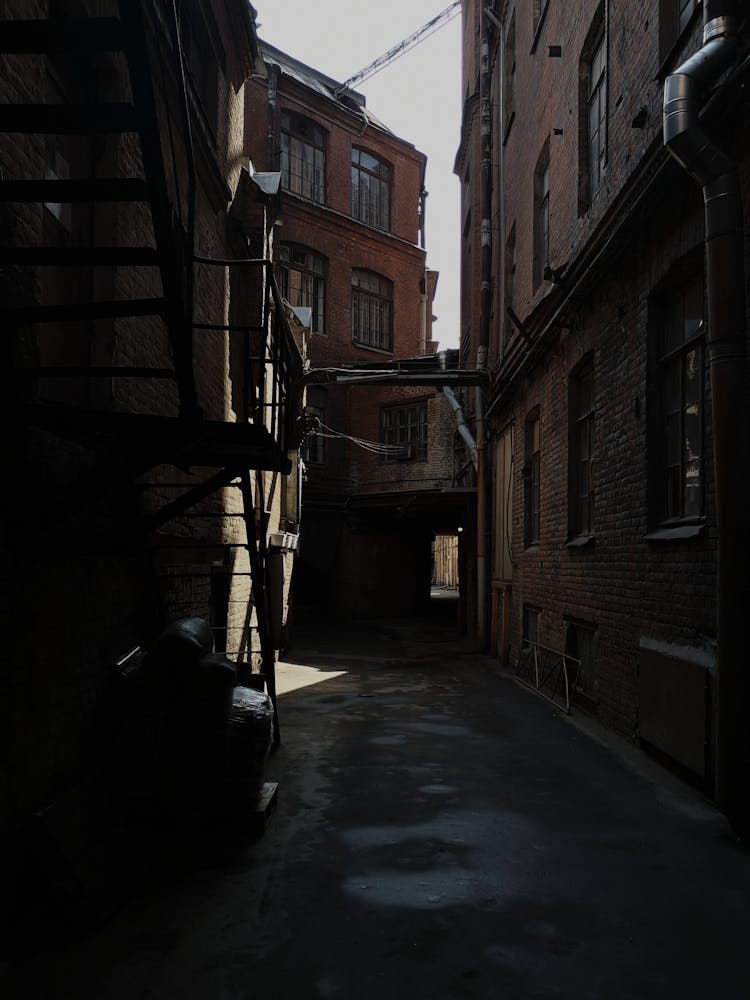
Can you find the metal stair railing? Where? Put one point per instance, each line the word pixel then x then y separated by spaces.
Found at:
pixel 550 672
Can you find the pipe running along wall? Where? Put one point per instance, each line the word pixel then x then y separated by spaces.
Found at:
pixel 461 425
pixel 718 175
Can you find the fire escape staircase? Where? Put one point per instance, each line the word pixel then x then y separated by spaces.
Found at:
pixel 129 444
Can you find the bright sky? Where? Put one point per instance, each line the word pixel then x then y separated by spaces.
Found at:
pixel 418 96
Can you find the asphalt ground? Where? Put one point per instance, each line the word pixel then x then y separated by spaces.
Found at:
pixel 440 832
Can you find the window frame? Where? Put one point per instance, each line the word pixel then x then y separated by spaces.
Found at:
pixel 530 613
pixel 581 423
pixel 532 471
pixel 203 64
pixel 541 215
pixel 675 16
pixel 372 300
pixel 314 450
pixel 316 279
pixel 509 76
pixel 302 133
pixel 593 96
pixel 510 265
pixel 380 185
pixel 411 432
pixel 671 358
pixel 597 102
pixel 585 690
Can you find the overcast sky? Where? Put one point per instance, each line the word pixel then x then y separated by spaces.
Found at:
pixel 418 96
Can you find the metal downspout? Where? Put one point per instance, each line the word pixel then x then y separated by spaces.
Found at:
pixel 461 425
pixel 718 175
pixel 485 119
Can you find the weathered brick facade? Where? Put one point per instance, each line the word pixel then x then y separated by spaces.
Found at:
pixel 632 592
pixel 340 570
pixel 87 579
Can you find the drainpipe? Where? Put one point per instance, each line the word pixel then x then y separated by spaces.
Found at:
pixel 485 127
pixel 461 425
pixel 718 175
pixel 273 135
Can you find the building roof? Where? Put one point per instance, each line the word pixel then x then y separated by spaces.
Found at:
pixel 349 100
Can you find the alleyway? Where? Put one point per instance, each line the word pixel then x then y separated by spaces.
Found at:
pixel 440 833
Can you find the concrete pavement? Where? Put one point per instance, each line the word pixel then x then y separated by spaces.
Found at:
pixel 440 833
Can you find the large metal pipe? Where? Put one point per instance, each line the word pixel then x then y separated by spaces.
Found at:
pixel 461 425
pixel 686 139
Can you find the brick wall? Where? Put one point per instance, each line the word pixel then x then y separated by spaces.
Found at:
pixel 613 250
pixel 84 593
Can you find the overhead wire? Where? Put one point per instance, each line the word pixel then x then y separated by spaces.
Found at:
pixel 376 447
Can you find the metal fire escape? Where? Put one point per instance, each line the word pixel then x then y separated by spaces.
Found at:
pixel 129 444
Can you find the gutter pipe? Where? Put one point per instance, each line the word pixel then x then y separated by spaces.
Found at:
pixel 718 175
pixel 462 426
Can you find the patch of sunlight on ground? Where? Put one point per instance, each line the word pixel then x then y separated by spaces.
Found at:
pixel 293 676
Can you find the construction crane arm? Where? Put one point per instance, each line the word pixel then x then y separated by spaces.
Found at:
pixel 407 43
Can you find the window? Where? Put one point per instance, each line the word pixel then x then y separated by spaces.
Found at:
pixel 509 75
pixel 302 281
pixel 680 331
pixel 580 644
pixel 313 450
pixel 592 101
pixel 674 17
pixel 581 450
pixel 541 215
pixel 202 62
pixel 371 190
pixel 530 624
pixel 406 427
pixel 597 116
pixel 509 283
pixel 531 471
pixel 303 157
pixel 371 310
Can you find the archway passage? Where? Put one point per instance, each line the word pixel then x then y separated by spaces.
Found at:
pixel 374 557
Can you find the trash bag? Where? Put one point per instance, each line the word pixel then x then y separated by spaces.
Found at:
pixel 181 644
pixel 250 735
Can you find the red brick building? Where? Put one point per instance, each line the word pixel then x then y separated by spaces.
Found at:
pixel 350 247
pixel 607 447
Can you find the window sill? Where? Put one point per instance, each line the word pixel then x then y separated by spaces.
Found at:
pixel 678 533
pixel 531 548
pixel 387 351
pixel 580 541
pixel 369 225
